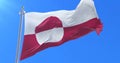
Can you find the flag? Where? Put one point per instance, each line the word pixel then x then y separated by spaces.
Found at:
pixel 43 30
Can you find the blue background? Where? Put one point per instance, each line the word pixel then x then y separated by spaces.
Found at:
pixel 88 49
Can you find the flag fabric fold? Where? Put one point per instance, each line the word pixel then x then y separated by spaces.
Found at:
pixel 43 30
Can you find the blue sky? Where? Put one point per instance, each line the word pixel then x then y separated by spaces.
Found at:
pixel 88 49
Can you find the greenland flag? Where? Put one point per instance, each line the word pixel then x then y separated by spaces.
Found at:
pixel 43 30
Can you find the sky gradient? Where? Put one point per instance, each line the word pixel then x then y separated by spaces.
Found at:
pixel 90 48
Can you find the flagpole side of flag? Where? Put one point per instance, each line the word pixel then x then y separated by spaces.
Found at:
pixel 21 13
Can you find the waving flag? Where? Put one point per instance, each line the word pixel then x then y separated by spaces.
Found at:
pixel 43 30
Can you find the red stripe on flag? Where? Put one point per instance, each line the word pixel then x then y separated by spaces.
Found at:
pixel 31 46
